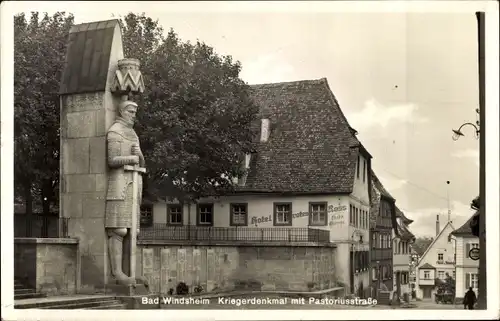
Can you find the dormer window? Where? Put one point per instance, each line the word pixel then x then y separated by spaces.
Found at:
pixel 264 130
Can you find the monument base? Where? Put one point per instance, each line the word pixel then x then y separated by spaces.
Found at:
pixel 127 290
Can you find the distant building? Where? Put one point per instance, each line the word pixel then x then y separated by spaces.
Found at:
pixel 309 172
pixel 382 221
pixel 437 262
pixel 402 255
pixel 467 270
pixel 414 258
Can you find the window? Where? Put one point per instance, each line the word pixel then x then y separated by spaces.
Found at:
pixel 441 275
pixel 471 280
pixel 384 272
pixel 374 274
pixel 364 171
pixel 282 214
pixel 427 275
pixel 357 169
pixel 239 214
pixel 174 214
pixel 356 217
pixel 317 213
pixel 404 278
pixel 205 214
pixel 351 215
pixel 470 246
pixel 440 257
pixel 146 219
pixel 374 240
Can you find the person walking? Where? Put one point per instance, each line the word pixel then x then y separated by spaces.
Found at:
pixel 469 299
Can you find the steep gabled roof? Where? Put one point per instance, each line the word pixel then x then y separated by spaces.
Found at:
pixel 427 266
pixel 311 146
pixel 404 233
pixel 465 229
pixel 405 219
pixel 436 238
pixel 377 192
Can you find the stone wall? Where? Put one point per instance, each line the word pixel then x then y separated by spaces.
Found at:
pixel 87 111
pixel 229 267
pixel 48 265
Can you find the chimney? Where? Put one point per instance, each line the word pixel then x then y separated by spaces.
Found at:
pixel 264 130
pixel 437 225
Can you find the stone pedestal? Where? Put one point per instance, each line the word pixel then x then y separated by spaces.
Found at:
pixel 87 111
pixel 124 290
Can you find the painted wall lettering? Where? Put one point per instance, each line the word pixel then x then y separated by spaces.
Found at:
pixel 263 219
pixel 335 219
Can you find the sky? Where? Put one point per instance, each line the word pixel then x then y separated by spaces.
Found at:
pixel 404 81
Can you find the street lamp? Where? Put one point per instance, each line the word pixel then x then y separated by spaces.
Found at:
pixel 457 133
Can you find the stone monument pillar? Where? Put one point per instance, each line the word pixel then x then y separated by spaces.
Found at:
pixel 88 110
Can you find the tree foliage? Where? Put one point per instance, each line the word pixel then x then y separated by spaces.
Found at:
pixel 421 244
pixel 195 116
pixel 446 286
pixel 39 53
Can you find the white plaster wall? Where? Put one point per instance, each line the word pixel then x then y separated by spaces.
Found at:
pixel 262 207
pixel 360 189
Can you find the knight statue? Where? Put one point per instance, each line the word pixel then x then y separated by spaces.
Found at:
pixel 123 149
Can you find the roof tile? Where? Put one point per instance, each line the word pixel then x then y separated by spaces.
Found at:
pixel 465 229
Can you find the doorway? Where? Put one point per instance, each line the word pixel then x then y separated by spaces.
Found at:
pixel 427 292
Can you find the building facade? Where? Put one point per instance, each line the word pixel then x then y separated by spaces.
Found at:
pixel 308 172
pixel 437 262
pixel 382 221
pixel 402 255
pixel 467 269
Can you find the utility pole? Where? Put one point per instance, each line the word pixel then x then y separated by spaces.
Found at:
pixel 479 230
pixel 482 162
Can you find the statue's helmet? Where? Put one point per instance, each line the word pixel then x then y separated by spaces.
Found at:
pixel 124 104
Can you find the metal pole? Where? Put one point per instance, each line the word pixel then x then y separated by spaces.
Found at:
pixel 482 198
pixel 448 200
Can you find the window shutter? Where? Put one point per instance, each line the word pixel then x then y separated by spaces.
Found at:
pixel 467 280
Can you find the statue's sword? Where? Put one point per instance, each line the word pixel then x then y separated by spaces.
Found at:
pixel 136 169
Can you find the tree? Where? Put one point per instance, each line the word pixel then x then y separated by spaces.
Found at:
pixel 195 116
pixel 194 120
pixel 474 223
pixel 421 244
pixel 446 286
pixel 39 53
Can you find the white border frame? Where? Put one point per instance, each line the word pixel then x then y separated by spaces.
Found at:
pixel 492 157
